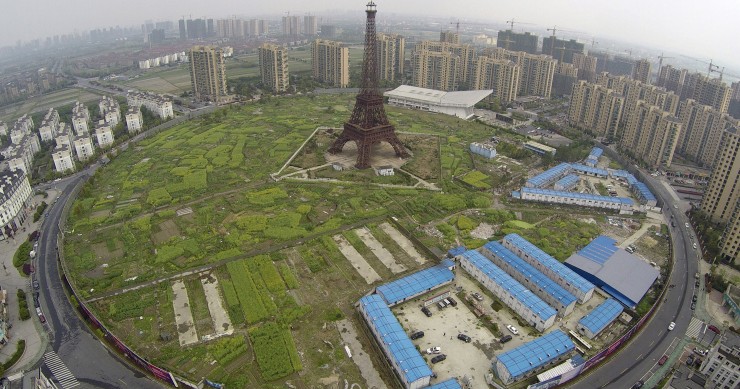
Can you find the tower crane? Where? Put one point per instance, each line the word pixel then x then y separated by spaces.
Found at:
pixel 511 23
pixel 661 57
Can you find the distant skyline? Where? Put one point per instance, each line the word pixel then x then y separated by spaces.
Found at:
pixel 693 28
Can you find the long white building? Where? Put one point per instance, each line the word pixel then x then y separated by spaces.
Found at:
pixel 158 104
pixel 15 198
pixel 458 104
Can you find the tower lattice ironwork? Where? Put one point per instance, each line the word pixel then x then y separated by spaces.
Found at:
pixel 368 124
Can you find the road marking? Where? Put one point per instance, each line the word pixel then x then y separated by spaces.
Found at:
pixel 60 371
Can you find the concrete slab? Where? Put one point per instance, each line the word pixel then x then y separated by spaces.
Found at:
pixel 220 317
pixel 381 252
pixel 357 261
pixel 403 242
pixel 183 316
pixel 348 333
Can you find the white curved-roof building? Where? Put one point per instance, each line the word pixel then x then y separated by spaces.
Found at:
pixel 458 104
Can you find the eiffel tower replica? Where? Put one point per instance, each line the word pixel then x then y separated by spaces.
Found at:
pixel 368 124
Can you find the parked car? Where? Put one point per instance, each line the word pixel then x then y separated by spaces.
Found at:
pixel 426 311
pixel 700 351
pixel 477 296
pixel 464 338
pixel 417 335
pixel 505 339
pixel 36 284
pixel 512 329
pixel 713 329
pixel 638 385
pixel 434 350
pixel 693 298
pixel 452 301
pixel 671 326
pixel 687 225
pixel 690 360
pixel 439 358
pixel 662 360
pixel 693 306
pixel 42 319
pixel 34 235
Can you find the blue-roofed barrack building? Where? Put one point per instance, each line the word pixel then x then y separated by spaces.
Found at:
pixel 446 384
pixel 524 360
pixel 551 196
pixel 617 272
pixel 417 283
pixel 408 364
pixel 521 300
pixel 589 171
pixel 593 157
pixel 562 275
pixel 600 318
pixel 545 288
pixel 567 183
pixel 549 176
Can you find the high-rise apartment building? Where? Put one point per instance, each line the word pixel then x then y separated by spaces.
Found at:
pixel 183 29
pixel 586 65
pixel 208 74
pixel 515 41
pixel 449 37
pixel 273 61
pixel 536 74
pixel 595 108
pixel 498 74
pixel 651 135
pixel 291 26
pixel 703 127
pixel 721 196
pixel 671 78
pixel 330 62
pixel 561 49
pixel 390 50
pixel 642 71
pixel 434 70
pixel 196 29
pixel 565 76
pixel 730 243
pixel 310 25
pixel 708 91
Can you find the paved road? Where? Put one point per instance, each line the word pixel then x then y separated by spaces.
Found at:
pixel 89 361
pixel 645 349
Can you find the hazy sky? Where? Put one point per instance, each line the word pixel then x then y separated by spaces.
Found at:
pixel 696 28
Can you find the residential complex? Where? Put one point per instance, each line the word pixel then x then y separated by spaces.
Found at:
pixel 158 104
pixel 721 195
pixel 642 71
pixel 273 61
pixel 560 49
pixel 515 41
pixel 651 134
pixel 722 364
pixel 15 201
pixel 449 37
pixel 391 54
pixel 500 75
pixel 291 25
pixel 702 131
pixel 330 62
pixel 596 108
pixel 730 242
pixel 80 118
pixel 134 120
pixel 208 74
pixel 708 91
pixel 104 134
pixel 110 110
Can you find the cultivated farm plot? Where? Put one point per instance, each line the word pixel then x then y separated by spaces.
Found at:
pixel 403 242
pixel 357 261
pixel 381 252
pixel 183 316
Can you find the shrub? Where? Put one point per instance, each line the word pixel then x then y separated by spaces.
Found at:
pixel 16 355
pixel 22 255
pixel 23 311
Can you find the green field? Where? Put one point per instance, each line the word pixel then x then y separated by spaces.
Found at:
pixel 44 102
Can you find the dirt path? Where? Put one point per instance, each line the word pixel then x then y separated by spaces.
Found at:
pixel 381 252
pixel 183 315
pixel 357 261
pixel 403 242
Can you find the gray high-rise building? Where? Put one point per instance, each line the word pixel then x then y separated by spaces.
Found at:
pixel 207 73
pixel 515 41
pixel 310 25
pixel 183 29
pixel 561 49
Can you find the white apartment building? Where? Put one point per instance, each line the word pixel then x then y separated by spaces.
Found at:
pixel 158 104
pixel 104 134
pixel 62 157
pixel 20 156
pixel 722 364
pixel 110 110
pixel 83 146
pixel 134 120
pixel 49 125
pixel 15 198
pixel 3 129
pixel 80 118
pixel 64 135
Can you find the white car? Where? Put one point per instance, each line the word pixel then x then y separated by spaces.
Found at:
pixel 694 245
pixel 671 326
pixel 512 329
pixel 434 350
pixel 687 225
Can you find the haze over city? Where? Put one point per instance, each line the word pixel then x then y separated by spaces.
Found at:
pixel 706 30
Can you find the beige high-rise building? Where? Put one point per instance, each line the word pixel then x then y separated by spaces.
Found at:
pixel 208 74
pixel 390 50
pixel 449 37
pixel 721 196
pixel 330 62
pixel 273 61
pixel 586 65
pixel 537 73
pixel 651 135
pixel 498 74
pixel 642 70
pixel 708 91
pixel 730 243
pixel 465 64
pixel 310 25
pixel 595 108
pixel 291 26
pixel 703 127
pixel 671 78
pixel 635 91
pixel 435 70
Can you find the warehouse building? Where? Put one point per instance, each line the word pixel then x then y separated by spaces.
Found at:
pixel 617 272
pixel 597 320
pixel 416 284
pixel 593 157
pixel 539 148
pixel 567 183
pixel 556 271
pixel 520 299
pixel 549 176
pixel 621 204
pixel 485 150
pixel 408 365
pixel 545 288
pixel 524 360
pixel 458 104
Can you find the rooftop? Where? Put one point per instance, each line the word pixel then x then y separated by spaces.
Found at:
pixel 550 175
pixel 448 384
pixel 601 316
pixel 432 96
pixel 583 196
pixel 540 146
pixel 524 295
pixel 588 169
pixel 568 180
pixel 537 353
pixel 415 283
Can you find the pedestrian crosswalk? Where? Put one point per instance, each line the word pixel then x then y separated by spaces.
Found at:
pixel 695 327
pixel 60 371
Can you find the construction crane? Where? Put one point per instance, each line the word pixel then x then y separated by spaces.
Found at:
pixel 661 57
pixel 629 51
pixel 457 25
pixel 593 42
pixel 511 23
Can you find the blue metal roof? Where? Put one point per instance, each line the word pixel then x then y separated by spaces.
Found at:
pixel 535 276
pixel 588 169
pixel 524 295
pixel 596 152
pixel 449 384
pixel 581 196
pixel 415 283
pixel 537 353
pixel 549 175
pixel 567 181
pixel 455 251
pixel 600 249
pixel 395 340
pixel 619 173
pixel 553 264
pixel 644 192
pixel 601 316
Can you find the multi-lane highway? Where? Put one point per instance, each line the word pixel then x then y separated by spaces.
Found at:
pixel 636 359
pixel 82 358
